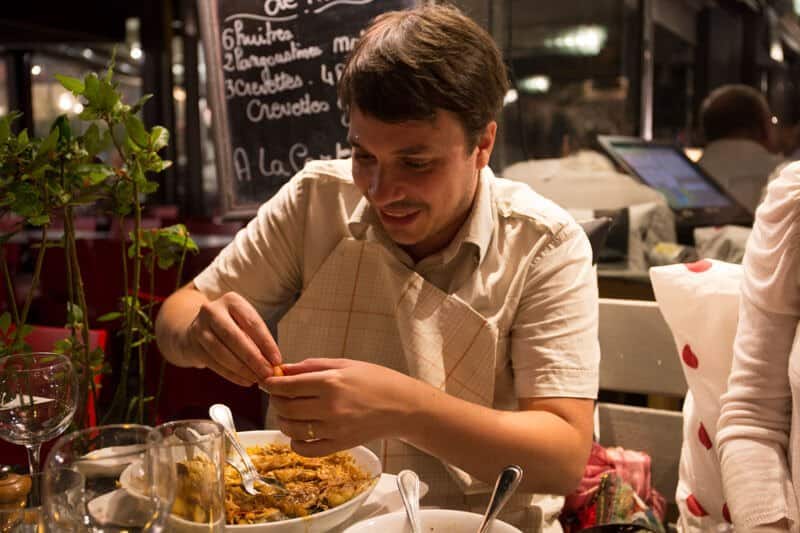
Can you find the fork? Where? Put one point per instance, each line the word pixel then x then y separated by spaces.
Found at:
pixel 222 414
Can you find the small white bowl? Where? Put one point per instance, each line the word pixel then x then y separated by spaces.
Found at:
pixel 433 521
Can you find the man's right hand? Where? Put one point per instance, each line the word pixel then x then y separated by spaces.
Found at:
pixel 228 336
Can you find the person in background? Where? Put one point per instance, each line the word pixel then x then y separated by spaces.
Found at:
pixel 737 125
pixel 790 140
pixel 444 315
pixel 758 434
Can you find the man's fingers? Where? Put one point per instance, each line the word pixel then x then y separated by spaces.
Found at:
pixel 303 429
pixel 316 448
pixel 227 374
pixel 308 385
pixel 220 357
pixel 241 345
pixel 315 364
pixel 296 408
pixel 251 323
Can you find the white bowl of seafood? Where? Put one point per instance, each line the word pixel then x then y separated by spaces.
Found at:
pixel 322 492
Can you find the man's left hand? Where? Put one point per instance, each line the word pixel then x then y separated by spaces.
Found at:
pixel 328 405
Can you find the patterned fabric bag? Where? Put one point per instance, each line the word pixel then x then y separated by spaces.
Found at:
pixel 615 492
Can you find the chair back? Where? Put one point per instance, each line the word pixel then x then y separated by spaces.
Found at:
pixel 639 356
pixel 44 338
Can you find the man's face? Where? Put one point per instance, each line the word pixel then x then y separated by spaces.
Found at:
pixel 418 176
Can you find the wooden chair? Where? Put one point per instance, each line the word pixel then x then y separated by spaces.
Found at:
pixel 639 356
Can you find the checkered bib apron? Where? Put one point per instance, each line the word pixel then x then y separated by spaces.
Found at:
pixel 364 304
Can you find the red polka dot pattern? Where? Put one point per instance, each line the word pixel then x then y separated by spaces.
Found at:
pixel 689 357
pixel 694 506
pixel 702 434
pixel 699 266
pixel 726 514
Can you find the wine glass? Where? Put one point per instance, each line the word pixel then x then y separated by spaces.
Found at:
pixel 108 479
pixel 38 398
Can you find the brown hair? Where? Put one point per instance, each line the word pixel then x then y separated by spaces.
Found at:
pixel 735 111
pixel 410 63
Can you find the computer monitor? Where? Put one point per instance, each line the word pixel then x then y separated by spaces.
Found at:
pixel 693 195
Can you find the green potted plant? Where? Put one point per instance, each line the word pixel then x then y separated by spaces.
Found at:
pixel 41 179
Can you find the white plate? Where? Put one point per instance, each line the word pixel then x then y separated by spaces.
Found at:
pixel 110 461
pixel 315 523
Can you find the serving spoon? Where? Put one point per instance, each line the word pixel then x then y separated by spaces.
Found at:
pixel 507 482
pixel 221 413
pixel 408 483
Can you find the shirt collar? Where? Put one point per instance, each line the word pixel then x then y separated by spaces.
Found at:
pixel 477 229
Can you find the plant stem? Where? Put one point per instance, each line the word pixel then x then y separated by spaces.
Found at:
pixel 178 276
pixel 152 267
pixel 137 276
pixel 69 229
pixel 37 272
pixel 118 408
pixel 12 299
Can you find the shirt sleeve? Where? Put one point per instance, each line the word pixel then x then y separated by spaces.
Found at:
pixel 554 346
pixel 755 417
pixel 263 262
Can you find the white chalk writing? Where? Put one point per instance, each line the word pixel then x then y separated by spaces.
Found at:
pixel 265 35
pixel 268 85
pixel 331 77
pixel 333 3
pixel 257 110
pixel 344 44
pixel 239 62
pixel 298 155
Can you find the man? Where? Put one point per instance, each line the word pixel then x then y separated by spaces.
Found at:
pixel 449 316
pixel 737 124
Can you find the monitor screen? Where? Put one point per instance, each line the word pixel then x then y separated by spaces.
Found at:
pixel 667 170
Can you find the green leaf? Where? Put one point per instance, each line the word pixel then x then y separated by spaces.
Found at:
pixel 22 138
pixel 64 129
pixel 39 220
pixel 162 165
pixel 88 114
pixel 140 103
pixel 159 137
pixel 94 173
pixel 74 314
pixel 136 131
pixel 5 125
pixel 108 317
pixel 91 87
pixel 50 142
pixel 148 187
pixel 5 322
pixel 107 97
pixel 93 141
pixel 73 85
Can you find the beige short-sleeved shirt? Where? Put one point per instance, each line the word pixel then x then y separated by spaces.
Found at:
pixel 519 260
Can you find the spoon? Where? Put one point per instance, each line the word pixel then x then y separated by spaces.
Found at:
pixel 507 482
pixel 408 483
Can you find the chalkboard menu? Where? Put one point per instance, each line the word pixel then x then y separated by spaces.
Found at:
pixel 272 68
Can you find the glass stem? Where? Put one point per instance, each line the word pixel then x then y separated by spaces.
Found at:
pixel 34 468
pixel 33 457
